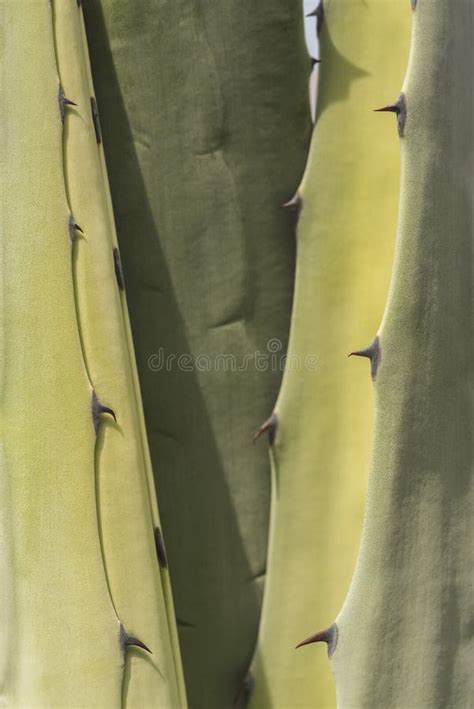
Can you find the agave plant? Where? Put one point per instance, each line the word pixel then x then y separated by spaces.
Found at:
pixel 204 131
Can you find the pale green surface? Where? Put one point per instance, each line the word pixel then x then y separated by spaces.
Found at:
pixel 205 117
pixel 60 634
pixel 406 628
pixel 126 521
pixel 71 502
pixel 344 254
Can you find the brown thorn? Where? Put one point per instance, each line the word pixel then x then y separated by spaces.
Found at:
pixel 270 426
pixel 160 549
pixel 135 642
pixel 399 107
pixel 372 352
pixel 73 228
pixel 96 120
pixel 390 108
pixel 107 410
pixel 99 408
pixel 318 13
pixel 63 102
pixel 127 640
pixel 295 204
pixel 328 636
pixel 118 269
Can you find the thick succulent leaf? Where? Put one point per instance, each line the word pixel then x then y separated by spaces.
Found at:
pixel 58 621
pixel 406 627
pixel 81 583
pixel 321 452
pixel 205 119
